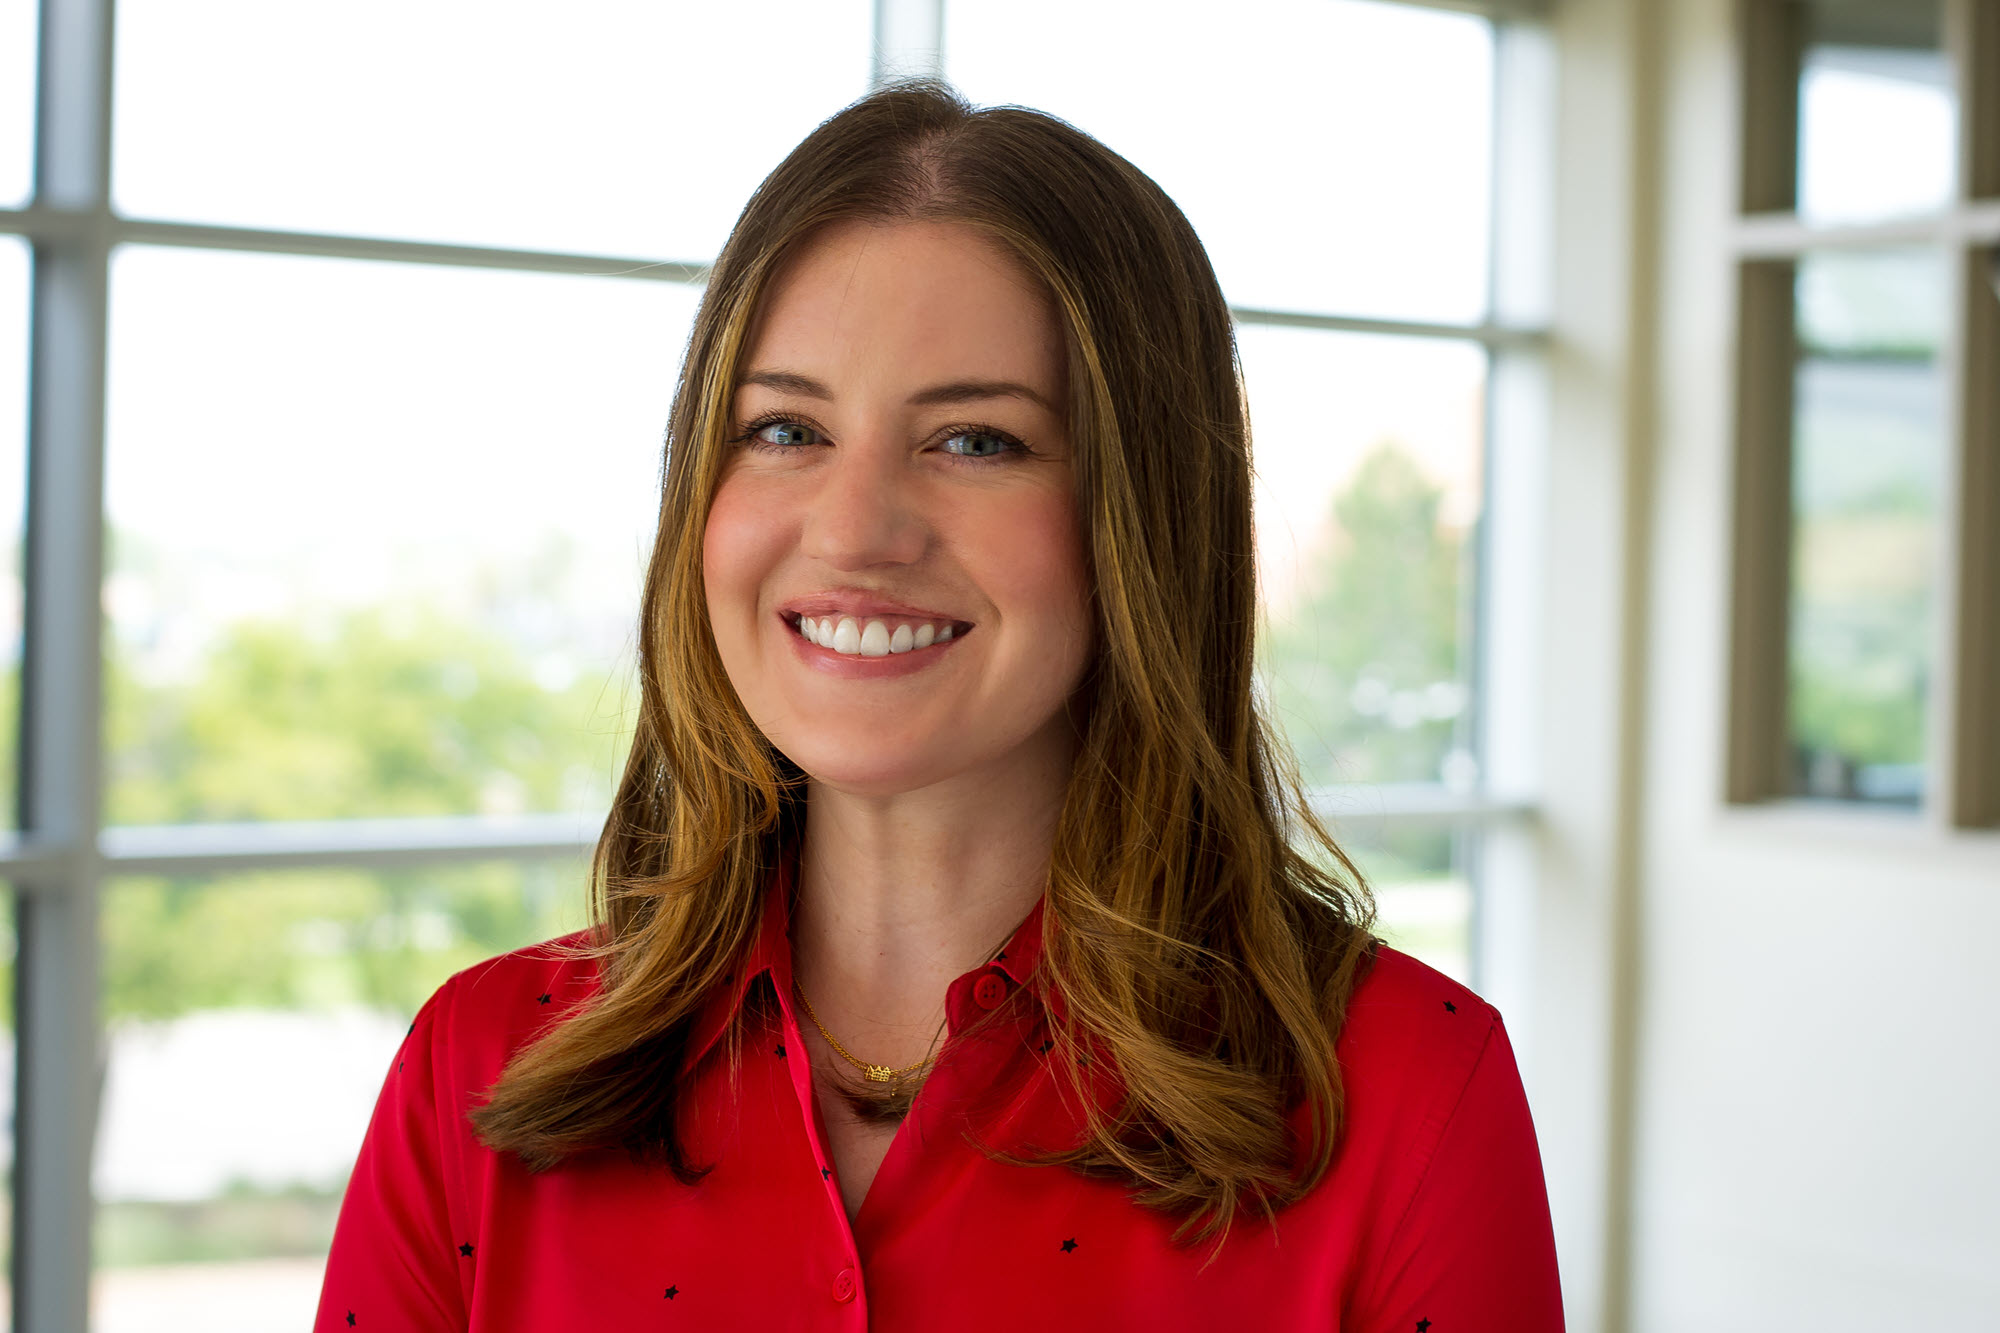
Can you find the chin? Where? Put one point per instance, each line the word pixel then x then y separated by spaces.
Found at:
pixel 872 781
pixel 866 761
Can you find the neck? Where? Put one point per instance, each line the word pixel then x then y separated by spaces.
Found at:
pixel 899 895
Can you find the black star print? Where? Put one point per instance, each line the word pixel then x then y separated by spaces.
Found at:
pixel 1047 1046
pixel 413 1027
pixel 1069 1245
pixel 542 999
pixel 826 1173
pixel 399 1066
pixel 673 1292
pixel 781 1052
pixel 350 1319
pixel 729 979
pixel 466 1249
pixel 1450 1008
pixel 1423 1325
pixel 1002 958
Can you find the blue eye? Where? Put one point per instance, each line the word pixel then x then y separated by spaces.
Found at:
pixel 978 444
pixel 785 434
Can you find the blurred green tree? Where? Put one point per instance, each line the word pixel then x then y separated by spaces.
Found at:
pixel 374 716
pixel 1364 670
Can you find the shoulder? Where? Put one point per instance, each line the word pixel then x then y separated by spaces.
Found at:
pixel 1439 1152
pixel 480 1016
pixel 1411 1042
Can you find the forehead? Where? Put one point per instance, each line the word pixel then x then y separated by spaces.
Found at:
pixel 870 305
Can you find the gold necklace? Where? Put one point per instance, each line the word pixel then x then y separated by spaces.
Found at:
pixel 873 1073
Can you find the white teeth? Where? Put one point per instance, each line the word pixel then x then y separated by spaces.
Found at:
pixel 871 638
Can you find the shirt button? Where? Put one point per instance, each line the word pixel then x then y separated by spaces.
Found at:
pixel 843 1285
pixel 989 990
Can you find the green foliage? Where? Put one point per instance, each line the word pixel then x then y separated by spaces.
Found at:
pixel 320 939
pixel 1363 674
pixel 1834 713
pixel 244 1222
pixel 374 717
pixel 377 716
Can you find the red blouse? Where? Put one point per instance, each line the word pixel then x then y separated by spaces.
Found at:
pixel 1433 1218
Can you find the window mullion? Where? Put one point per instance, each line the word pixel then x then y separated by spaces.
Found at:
pixel 1965 715
pixel 57 1067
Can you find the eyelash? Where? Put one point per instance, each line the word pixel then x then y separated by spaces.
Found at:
pixel 748 437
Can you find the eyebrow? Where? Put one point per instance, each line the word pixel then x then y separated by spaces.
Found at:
pixel 956 391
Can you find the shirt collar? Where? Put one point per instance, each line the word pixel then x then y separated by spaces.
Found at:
pixel 771 951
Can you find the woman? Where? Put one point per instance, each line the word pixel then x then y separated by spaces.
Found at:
pixel 965 954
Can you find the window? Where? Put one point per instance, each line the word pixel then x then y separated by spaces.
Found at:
pixel 382 370
pixel 1865 639
pixel 1362 289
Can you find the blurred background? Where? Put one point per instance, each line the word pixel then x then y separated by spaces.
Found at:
pixel 1623 379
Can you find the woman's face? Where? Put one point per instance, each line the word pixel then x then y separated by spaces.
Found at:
pixel 893 562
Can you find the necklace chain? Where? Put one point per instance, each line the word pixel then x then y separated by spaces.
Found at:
pixel 872 1072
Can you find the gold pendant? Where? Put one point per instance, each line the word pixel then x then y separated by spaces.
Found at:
pixel 877 1073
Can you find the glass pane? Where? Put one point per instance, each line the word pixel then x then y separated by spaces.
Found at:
pixel 1333 154
pixel 251 1020
pixel 377 533
pixel 1867 457
pixel 17 100
pixel 1423 895
pixel 1877 126
pixel 611 126
pixel 13 482
pixel 1368 456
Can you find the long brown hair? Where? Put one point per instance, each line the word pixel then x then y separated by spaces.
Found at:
pixel 1202 929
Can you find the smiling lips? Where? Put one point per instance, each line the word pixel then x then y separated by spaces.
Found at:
pixel 872 637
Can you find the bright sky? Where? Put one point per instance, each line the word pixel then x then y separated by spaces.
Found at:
pixel 1333 154
pixel 289 433
pixel 17 99
pixel 1876 136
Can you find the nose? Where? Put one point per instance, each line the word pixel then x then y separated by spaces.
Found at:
pixel 867 509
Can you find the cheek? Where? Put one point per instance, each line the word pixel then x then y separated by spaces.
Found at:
pixel 1036 551
pixel 741 542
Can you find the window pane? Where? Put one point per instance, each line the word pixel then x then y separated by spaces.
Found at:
pixel 377 533
pixel 612 126
pixel 1368 456
pixel 13 481
pixel 1877 128
pixel 1867 454
pixel 251 1021
pixel 1333 154
pixel 1423 894
pixel 17 100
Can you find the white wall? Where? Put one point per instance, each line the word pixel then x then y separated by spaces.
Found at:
pixel 1817 1099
